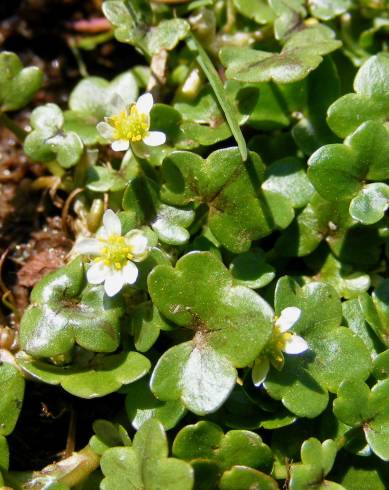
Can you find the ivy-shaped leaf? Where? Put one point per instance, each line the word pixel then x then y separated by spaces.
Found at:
pixel 370 102
pixel 339 171
pixel 302 53
pixel 289 15
pixel 303 383
pixel 145 465
pixel 130 28
pixel 108 434
pixel 223 317
pixel 316 462
pixel 64 313
pixel 141 405
pixel 18 85
pixel 90 102
pixel 141 198
pixel 206 440
pixel 47 140
pixel 239 211
pixel 357 406
pixel 94 376
pixel 11 400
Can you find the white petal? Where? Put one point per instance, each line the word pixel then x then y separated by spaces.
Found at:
pixel 155 138
pixel 138 242
pixel 97 273
pixel 288 318
pixel 117 104
pixel 260 369
pixel 105 130
pixel 114 283
pixel 88 246
pixel 145 103
pixel 295 345
pixel 120 145
pixel 130 273
pixel 112 223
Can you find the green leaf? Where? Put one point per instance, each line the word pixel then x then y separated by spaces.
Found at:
pixel 256 10
pixel 97 376
pixel 217 86
pixel 328 9
pixel 141 405
pixel 290 14
pixel 243 478
pixel 166 35
pixel 231 316
pixel 370 102
pixel 370 204
pixel 62 313
pixel 4 454
pixel 145 465
pixel 18 85
pixel 303 382
pixel 337 171
pixel 237 447
pixel 251 269
pixel 312 130
pixel 288 177
pixel 317 460
pixel 146 324
pixel 301 54
pixel 376 310
pixel 12 389
pixel 47 140
pixel 357 406
pixel 90 102
pixel 239 211
pixel 108 434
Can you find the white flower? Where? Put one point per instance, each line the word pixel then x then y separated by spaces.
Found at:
pixel 115 254
pixel 281 341
pixel 130 124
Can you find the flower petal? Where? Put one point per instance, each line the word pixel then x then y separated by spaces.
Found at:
pixel 145 103
pixel 116 104
pixel 130 273
pixel 105 130
pixel 260 369
pixel 295 345
pixel 88 246
pixel 114 282
pixel 112 223
pixel 138 242
pixel 120 145
pixel 155 138
pixel 97 273
pixel 288 318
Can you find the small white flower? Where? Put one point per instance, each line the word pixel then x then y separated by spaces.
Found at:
pixel 115 254
pixel 281 341
pixel 130 124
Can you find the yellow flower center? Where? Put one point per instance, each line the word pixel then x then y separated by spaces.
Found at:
pixel 132 126
pixel 116 252
pixel 277 343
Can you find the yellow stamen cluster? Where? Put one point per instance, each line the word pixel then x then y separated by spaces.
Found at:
pixel 116 252
pixel 277 344
pixel 132 126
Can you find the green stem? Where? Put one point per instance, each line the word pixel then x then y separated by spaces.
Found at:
pixel 70 471
pixel 12 126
